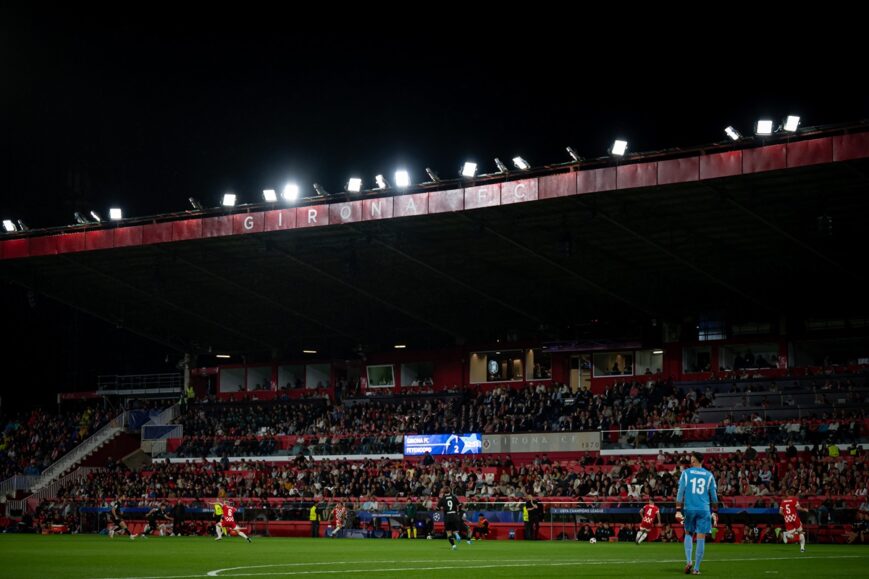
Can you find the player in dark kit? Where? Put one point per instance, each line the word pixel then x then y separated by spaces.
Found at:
pixel 453 523
pixel 153 517
pixel 119 525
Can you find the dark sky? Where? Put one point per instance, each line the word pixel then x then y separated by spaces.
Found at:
pixel 144 110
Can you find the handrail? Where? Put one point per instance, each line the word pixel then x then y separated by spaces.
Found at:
pixel 80 450
pixel 18 482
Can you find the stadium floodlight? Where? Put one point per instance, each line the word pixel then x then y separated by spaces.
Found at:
pixel 619 148
pixel 22 226
pixel 80 219
pixel 195 203
pixel 502 168
pixel 228 200
pixel 321 191
pixel 656 352
pixel 432 175
pixel 9 226
pixel 96 216
pixel 521 163
pixel 791 123
pixel 381 181
pixel 573 154
pixel 270 195
pixel 309 351
pixel 400 346
pixel 354 185
pixel 764 127
pixel 732 133
pixel 290 192
pixel 224 356
pixel 115 214
pixel 469 169
pixel 402 179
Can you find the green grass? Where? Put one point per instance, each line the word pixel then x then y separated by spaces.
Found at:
pixel 98 557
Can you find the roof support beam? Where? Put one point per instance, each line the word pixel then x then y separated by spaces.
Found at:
pixel 687 263
pixel 457 281
pixel 363 292
pixel 781 232
pixel 262 297
pixel 179 347
pixel 167 303
pixel 606 291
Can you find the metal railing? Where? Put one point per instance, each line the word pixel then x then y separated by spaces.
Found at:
pixel 50 491
pixel 18 482
pixel 167 416
pixel 119 383
pixel 760 435
pixel 154 447
pixel 87 446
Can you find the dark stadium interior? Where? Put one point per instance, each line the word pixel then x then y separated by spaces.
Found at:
pixel 746 248
pixel 570 347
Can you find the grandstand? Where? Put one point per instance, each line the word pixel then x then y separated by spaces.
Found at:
pixel 543 333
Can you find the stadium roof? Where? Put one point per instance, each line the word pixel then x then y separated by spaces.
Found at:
pixel 751 229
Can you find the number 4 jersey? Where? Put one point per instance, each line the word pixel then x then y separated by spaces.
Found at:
pixel 649 513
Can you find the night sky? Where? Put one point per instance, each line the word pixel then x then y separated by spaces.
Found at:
pixel 144 110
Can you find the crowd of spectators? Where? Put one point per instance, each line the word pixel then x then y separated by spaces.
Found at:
pixel 31 441
pixel 651 414
pixel 748 474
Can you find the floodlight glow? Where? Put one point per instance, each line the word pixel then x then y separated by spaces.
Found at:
pixel 619 148
pixel 400 346
pixel 656 352
pixel 291 192
pixel 469 169
pixel 573 154
pixel 732 133
pixel 229 199
pixel 270 195
pixel 354 185
pixel 402 179
pixel 309 351
pixel 521 163
pixel 115 214
pixel 791 123
pixel 764 127
pixel 96 216
pixel 9 226
pixel 224 356
pixel 432 175
pixel 381 182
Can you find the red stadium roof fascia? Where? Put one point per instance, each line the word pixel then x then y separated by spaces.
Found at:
pixel 641 171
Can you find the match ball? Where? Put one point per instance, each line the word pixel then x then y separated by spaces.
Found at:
pixel 592 540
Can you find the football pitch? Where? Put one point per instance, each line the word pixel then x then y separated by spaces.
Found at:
pixel 98 557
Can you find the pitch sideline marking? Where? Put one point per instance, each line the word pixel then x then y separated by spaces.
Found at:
pixel 502 564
